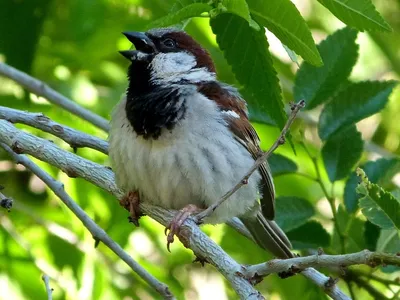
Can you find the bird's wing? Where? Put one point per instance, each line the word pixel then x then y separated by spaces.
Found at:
pixel 234 110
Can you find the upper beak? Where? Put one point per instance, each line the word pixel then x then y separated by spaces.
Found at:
pixel 143 44
pixel 141 41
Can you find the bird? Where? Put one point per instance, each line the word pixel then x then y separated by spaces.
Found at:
pixel 181 139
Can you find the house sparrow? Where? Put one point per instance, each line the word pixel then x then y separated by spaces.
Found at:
pixel 182 139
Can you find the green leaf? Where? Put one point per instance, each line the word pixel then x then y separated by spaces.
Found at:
pixel 283 19
pixel 21 25
pixel 238 7
pixel 389 242
pixel 360 14
pixel 356 102
pixel 190 11
pixel 292 212
pixel 292 55
pixel 180 4
pixel 354 229
pixel 246 50
pixel 380 171
pixel 309 235
pixel 355 235
pixel 339 53
pixel 378 205
pixel 371 235
pixel 341 152
pixel 280 165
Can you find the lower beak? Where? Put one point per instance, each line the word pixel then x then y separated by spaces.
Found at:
pixel 136 55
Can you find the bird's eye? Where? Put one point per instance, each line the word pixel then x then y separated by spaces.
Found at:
pixel 170 43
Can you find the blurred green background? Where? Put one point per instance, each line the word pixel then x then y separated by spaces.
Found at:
pixel 73 46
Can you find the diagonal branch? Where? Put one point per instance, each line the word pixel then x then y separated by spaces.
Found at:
pixel 190 235
pixel 281 140
pixel 97 232
pixel 75 138
pixel 41 89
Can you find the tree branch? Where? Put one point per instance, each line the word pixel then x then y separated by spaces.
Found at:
pixel 41 89
pixel 298 264
pixel 73 165
pixel 75 138
pixel 6 202
pixel 260 160
pixel 49 290
pixel 103 177
pixel 327 284
pixel 97 232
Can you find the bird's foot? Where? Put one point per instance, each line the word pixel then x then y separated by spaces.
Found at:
pixel 131 203
pixel 175 225
pixel 200 260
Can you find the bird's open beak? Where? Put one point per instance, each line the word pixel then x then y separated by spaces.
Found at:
pixel 143 44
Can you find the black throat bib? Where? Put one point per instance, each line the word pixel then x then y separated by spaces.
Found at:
pixel 149 107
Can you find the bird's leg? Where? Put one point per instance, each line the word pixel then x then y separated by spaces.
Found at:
pixel 131 203
pixel 175 225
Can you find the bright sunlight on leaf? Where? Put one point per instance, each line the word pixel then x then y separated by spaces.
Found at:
pixel 360 14
pixel 283 19
pixel 356 102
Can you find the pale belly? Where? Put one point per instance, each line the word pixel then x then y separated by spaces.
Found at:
pixel 195 166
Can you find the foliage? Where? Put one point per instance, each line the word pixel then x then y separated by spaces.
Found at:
pixel 378 205
pixel 347 80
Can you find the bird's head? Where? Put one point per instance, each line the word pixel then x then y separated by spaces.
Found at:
pixel 168 55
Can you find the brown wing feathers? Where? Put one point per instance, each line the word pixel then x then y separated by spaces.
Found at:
pixel 245 133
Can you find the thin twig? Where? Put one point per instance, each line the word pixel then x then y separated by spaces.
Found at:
pixel 329 197
pixel 41 89
pixel 364 257
pixel 362 283
pixel 41 264
pixel 374 277
pixel 351 290
pixel 97 232
pixel 71 238
pixel 6 202
pixel 281 140
pixel 75 138
pixel 49 290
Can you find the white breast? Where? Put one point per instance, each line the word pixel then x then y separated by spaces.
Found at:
pixel 197 162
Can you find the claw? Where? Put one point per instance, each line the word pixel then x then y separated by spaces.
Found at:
pixel 175 225
pixel 131 203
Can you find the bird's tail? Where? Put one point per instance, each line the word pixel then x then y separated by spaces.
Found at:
pixel 269 236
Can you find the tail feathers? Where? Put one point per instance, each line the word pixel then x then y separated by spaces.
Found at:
pixel 269 236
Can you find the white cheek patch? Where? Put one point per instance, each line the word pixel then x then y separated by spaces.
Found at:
pixel 177 66
pixel 166 64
